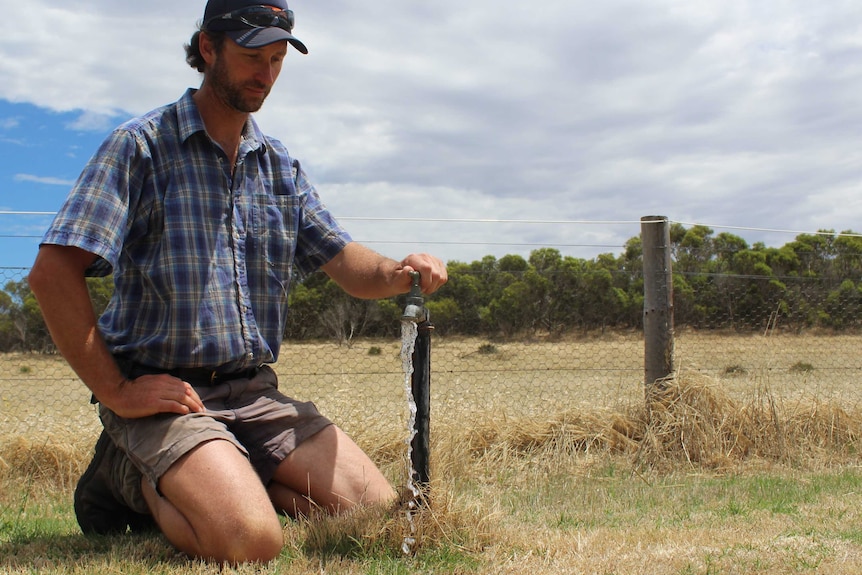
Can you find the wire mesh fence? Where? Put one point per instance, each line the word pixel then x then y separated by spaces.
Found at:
pixel 804 344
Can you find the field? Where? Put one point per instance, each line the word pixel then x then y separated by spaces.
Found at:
pixel 546 458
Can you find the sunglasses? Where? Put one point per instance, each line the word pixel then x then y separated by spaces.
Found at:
pixel 257 17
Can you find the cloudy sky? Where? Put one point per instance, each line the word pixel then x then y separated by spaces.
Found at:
pixel 732 113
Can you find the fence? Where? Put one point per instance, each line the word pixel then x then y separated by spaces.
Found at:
pixel 742 320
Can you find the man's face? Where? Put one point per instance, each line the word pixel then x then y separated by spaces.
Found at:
pixel 243 77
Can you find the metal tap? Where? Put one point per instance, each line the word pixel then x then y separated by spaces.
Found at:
pixel 415 310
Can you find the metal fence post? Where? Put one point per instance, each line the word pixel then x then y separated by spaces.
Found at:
pixel 658 301
pixel 421 386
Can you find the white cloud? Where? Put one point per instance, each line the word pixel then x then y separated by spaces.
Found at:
pixel 47 180
pixel 89 121
pixel 743 112
pixel 9 123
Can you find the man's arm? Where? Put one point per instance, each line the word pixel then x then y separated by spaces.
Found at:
pixel 57 280
pixel 364 273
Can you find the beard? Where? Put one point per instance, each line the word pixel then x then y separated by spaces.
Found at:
pixel 231 93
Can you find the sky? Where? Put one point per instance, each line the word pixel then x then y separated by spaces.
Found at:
pixel 479 128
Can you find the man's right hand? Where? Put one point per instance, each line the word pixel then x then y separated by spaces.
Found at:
pixel 151 394
pixel 57 279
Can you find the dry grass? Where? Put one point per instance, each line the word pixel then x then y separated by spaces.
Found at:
pixel 719 473
pixel 52 461
pixel 689 425
pixel 691 422
pixel 695 423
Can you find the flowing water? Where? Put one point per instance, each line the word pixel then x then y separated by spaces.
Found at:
pixel 409 332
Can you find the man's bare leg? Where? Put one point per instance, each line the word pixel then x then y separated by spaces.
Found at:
pixel 328 471
pixel 215 507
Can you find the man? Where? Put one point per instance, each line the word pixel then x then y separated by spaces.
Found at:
pixel 204 222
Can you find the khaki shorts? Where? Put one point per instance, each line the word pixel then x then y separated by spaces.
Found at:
pixel 263 423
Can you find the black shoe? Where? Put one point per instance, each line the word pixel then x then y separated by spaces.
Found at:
pixel 98 508
pixel 142 523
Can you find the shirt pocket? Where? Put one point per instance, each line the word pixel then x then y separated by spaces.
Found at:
pixel 275 232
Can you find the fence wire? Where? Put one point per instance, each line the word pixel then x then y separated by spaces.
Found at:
pixel 740 340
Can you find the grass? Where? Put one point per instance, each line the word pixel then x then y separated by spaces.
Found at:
pixel 734 472
pixel 593 519
pixel 564 495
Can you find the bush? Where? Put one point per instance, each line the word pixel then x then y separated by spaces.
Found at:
pixel 487 349
pixel 801 367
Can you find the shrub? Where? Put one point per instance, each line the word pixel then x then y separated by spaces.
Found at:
pixel 801 367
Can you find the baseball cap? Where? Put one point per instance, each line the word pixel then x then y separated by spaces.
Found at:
pixel 252 24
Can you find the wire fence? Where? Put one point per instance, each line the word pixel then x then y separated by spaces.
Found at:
pixel 802 343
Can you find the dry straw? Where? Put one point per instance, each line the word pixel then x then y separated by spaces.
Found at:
pixel 690 423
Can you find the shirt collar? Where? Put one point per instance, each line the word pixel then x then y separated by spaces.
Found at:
pixel 190 123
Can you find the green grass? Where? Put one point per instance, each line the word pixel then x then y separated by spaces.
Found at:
pixel 776 521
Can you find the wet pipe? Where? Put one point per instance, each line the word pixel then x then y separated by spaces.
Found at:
pixel 415 311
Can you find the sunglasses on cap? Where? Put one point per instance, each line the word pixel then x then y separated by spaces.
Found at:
pixel 257 17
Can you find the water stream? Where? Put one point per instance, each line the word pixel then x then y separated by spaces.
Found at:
pixel 409 331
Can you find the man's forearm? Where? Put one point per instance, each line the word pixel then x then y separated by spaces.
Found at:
pixel 57 281
pixel 364 273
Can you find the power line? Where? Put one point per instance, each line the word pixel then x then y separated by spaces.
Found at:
pixel 412 220
pixel 516 221
pixel 779 231
pixel 423 242
pixel 487 221
pixel 542 244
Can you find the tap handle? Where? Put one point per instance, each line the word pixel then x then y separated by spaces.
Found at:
pixel 415 294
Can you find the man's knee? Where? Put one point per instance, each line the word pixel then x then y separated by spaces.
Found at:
pixel 215 507
pixel 249 541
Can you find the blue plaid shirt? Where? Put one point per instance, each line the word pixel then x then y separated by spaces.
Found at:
pixel 202 259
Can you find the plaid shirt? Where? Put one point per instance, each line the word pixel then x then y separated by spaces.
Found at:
pixel 202 259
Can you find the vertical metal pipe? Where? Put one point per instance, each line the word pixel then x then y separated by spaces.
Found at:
pixel 421 387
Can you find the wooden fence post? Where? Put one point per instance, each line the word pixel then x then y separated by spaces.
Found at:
pixel 658 301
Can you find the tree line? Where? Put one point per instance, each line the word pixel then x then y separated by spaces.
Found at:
pixel 719 282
